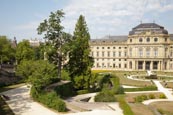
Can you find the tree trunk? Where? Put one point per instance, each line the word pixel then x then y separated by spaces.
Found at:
pixel 59 66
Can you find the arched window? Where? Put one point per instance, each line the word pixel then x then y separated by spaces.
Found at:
pixel 140 39
pixel 148 39
pixel 155 39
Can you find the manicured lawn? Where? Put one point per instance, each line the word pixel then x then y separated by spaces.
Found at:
pixel 130 96
pixel 164 107
pixel 125 81
pixel 169 84
pixel 4 108
pixel 140 109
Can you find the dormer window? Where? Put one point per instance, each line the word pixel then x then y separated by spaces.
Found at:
pixel 140 39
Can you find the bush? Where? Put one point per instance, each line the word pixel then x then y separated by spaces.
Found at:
pixel 141 98
pixel 162 96
pixel 65 90
pixel 120 90
pixel 79 92
pixel 151 96
pixel 105 96
pixel 50 99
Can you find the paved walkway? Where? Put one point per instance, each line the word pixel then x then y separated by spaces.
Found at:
pixel 21 104
pixel 165 91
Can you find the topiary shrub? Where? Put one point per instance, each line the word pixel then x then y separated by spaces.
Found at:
pixel 162 96
pixel 151 96
pixel 105 96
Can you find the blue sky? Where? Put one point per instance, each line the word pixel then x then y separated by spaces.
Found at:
pixel 20 18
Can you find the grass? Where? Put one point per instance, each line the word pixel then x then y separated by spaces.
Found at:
pixel 140 109
pixel 130 96
pixel 169 84
pixel 124 105
pixel 4 108
pixel 125 81
pixel 6 88
pixel 165 108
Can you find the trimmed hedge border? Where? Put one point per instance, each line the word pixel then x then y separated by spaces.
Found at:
pixel 147 88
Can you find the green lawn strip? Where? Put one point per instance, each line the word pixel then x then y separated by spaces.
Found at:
pixel 124 105
pixel 6 88
pixel 4 108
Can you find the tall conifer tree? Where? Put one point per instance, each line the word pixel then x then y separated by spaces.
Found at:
pixel 80 61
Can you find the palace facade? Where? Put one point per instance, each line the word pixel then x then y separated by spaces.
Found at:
pixel 148 46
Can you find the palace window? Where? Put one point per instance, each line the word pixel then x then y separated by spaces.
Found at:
pixel 114 54
pixel 140 39
pixel 97 54
pixel 119 47
pixel 97 47
pixel 130 40
pixel 130 65
pixel 165 39
pixel 125 54
pixel 130 52
pixel 155 39
pixel 140 52
pixel 103 54
pixel 148 39
pixel 113 47
pixel 114 65
pixel 155 52
pixel 108 47
pixel 108 54
pixel 125 65
pixel 148 52
pixel 102 47
pixel 119 54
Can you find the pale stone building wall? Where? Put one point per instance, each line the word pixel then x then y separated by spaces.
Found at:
pixel 147 47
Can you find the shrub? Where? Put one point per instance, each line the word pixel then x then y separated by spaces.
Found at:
pixel 50 99
pixel 144 97
pixel 141 98
pixel 138 99
pixel 65 90
pixel 79 92
pixel 162 96
pixel 120 90
pixel 105 96
pixel 151 96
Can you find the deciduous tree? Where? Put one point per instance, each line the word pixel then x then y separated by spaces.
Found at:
pixel 56 38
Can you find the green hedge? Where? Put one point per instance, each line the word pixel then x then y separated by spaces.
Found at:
pixel 124 106
pixel 50 99
pixel 65 90
pixel 147 88
pixel 105 96
pixel 79 92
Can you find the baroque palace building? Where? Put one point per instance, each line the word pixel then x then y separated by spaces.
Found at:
pixel 147 47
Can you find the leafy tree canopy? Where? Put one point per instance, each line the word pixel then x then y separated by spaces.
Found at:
pixel 55 37
pixel 7 53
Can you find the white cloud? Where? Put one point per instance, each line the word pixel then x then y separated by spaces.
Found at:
pixel 112 13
